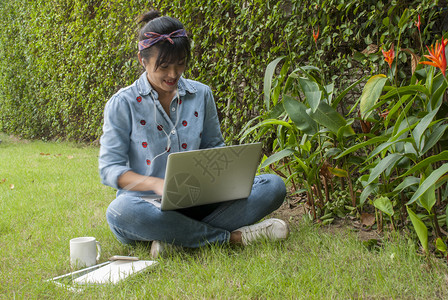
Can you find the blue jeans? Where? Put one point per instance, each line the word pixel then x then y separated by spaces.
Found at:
pixel 133 219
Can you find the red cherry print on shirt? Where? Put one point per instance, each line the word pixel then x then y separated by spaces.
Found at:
pixel 196 114
pixel 143 122
pixel 139 99
pixel 180 101
pixel 160 127
pixel 145 144
pixel 184 123
pixel 148 162
pixel 184 146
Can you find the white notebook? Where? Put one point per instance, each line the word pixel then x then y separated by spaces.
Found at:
pixel 114 272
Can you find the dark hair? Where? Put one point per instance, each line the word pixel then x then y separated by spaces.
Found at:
pixel 168 53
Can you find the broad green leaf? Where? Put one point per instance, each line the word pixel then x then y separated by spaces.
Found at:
pixel 313 99
pixel 276 111
pixel 430 78
pixel 436 97
pixel 371 93
pixel 274 122
pixel 428 198
pixel 428 182
pixel 421 127
pixel 312 92
pixel 270 70
pixel 338 172
pixel 372 141
pixel 386 162
pixel 305 145
pixel 366 193
pixel 306 68
pixel 378 104
pixel 407 182
pixel 267 122
pixel 385 205
pixel 441 181
pixel 420 229
pixel 329 90
pixel 424 163
pixel 434 138
pixel 384 146
pixel 297 113
pixel 440 245
pixel 345 130
pixel 330 118
pixel 276 157
pixel 408 150
pixel 292 139
pixel 332 152
pixel 406 90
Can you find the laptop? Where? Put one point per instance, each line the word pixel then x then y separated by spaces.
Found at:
pixel 206 176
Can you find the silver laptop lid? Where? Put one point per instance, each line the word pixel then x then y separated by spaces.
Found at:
pixel 212 175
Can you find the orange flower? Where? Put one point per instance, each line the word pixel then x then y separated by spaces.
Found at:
pixel 389 55
pixel 437 56
pixel 316 35
pixel 418 23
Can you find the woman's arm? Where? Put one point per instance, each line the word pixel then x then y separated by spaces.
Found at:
pixel 136 182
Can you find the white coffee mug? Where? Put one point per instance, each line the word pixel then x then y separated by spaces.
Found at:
pixel 84 252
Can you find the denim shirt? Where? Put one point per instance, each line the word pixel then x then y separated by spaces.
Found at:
pixel 136 129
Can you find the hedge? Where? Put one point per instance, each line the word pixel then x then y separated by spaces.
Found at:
pixel 61 60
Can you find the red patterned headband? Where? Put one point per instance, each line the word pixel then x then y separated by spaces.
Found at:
pixel 153 38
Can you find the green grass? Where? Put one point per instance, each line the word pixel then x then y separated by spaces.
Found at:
pixel 58 196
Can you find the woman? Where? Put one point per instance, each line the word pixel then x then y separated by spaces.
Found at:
pixel 161 113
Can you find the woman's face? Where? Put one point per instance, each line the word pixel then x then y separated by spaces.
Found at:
pixel 163 79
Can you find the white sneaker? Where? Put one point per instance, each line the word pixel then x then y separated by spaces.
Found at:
pixel 158 248
pixel 272 229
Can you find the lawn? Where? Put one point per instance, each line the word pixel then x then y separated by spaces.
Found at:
pixel 50 192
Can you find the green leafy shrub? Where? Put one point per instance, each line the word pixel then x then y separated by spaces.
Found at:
pixel 395 163
pixel 61 60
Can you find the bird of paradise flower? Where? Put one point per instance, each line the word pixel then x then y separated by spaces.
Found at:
pixel 437 56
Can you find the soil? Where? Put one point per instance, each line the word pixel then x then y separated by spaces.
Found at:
pixel 294 209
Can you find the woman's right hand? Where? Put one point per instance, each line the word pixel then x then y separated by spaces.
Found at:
pixel 135 182
pixel 158 185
